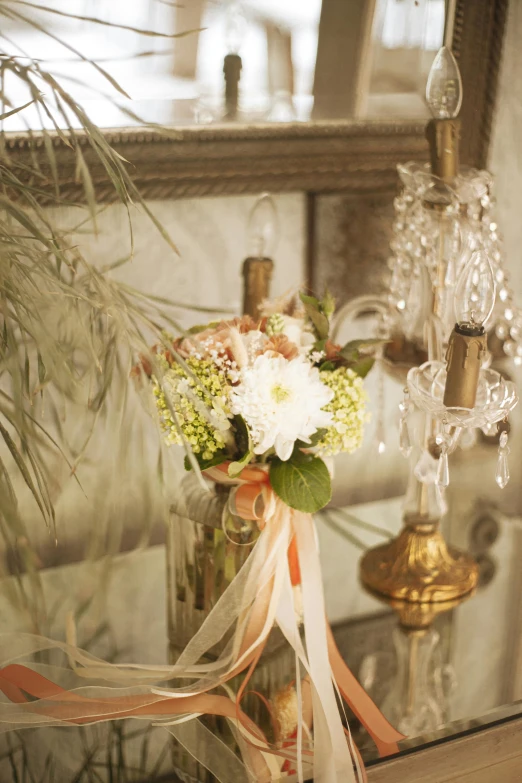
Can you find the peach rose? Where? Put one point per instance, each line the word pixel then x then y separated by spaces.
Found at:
pixel 280 344
pixel 331 351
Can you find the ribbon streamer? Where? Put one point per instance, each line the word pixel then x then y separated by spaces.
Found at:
pixel 284 558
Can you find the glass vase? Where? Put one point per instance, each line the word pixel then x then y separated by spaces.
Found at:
pixel 206 547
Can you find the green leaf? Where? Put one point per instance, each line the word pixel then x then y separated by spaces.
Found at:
pixel 218 458
pixel 328 304
pixel 302 482
pixel 245 447
pixel 351 350
pixel 363 366
pixel 311 301
pixel 329 366
pixel 197 328
pixel 235 468
pixel 314 440
pixel 319 320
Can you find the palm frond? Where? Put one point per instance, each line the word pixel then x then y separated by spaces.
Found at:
pixel 69 331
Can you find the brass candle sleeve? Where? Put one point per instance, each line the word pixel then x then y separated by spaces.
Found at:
pixel 443 137
pixel 466 349
pixel 232 69
pixel 257 274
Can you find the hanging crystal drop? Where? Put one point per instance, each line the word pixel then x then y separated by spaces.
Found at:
pixel 502 472
pixel 404 437
pixel 379 428
pixel 441 501
pixel 426 468
pixel 443 470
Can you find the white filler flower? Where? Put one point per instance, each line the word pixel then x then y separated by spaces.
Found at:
pixel 281 402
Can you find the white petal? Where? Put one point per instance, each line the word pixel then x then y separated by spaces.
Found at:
pixel 284 448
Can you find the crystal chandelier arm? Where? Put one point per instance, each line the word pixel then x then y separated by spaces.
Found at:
pixel 355 308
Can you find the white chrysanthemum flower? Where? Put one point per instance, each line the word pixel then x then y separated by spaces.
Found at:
pixel 281 402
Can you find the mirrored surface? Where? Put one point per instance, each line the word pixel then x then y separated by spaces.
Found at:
pixel 435 674
pixel 214 61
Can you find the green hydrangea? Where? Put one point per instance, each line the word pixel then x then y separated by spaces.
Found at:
pixel 201 407
pixel 348 408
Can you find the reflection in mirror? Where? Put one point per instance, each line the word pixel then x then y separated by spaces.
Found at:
pixel 214 61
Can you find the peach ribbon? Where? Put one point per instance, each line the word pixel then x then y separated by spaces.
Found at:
pixel 288 557
pixel 252 495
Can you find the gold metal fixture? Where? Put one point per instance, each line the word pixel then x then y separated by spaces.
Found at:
pixel 418 566
pixel 443 137
pixel 420 616
pixel 257 274
pixel 466 349
pixel 232 70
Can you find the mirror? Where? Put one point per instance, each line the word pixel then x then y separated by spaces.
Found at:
pixel 206 62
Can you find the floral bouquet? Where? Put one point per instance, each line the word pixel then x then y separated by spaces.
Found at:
pixel 275 391
pixel 258 405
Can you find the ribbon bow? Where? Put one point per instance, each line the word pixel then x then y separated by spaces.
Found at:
pixel 253 498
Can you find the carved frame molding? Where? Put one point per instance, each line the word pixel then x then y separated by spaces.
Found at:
pixel 319 157
pixel 225 160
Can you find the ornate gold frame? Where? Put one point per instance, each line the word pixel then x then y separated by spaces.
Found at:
pixel 235 159
pixel 318 157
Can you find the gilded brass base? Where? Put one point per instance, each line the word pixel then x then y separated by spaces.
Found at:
pixel 418 566
pixel 417 616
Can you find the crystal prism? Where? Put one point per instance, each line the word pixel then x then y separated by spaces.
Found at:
pixel 426 468
pixel 443 470
pixel 502 473
pixel 404 438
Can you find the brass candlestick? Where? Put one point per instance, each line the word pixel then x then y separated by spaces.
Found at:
pixel 466 350
pixel 443 136
pixel 258 267
pixel 419 616
pixel 418 565
pixel 232 71
pixel 257 275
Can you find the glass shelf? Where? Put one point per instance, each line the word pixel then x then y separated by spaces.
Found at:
pixel 434 677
